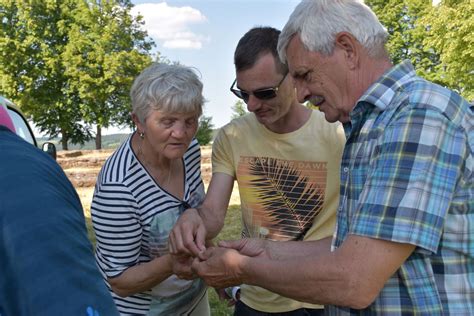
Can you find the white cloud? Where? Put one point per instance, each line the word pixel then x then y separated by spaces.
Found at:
pixel 171 26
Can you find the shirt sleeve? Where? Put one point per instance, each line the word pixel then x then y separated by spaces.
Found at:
pixel 117 227
pixel 411 180
pixel 222 158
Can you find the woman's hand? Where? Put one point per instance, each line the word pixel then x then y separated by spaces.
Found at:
pixel 181 266
pixel 188 236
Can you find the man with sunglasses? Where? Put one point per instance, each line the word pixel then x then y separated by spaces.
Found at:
pixel 285 158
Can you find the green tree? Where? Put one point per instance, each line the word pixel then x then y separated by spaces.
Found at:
pixel 403 22
pixel 69 64
pixel 451 33
pixel 238 109
pixel 204 133
pixel 439 40
pixel 106 51
pixel 32 38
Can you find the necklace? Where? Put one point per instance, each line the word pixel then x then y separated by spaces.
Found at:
pixel 150 168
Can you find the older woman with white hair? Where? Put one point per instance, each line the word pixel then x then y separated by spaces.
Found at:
pixel 141 191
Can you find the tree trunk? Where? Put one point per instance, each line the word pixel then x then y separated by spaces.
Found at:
pixel 98 138
pixel 64 140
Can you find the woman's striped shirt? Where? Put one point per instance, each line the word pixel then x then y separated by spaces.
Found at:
pixel 132 217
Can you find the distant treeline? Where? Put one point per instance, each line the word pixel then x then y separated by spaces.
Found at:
pixel 111 141
pixel 108 142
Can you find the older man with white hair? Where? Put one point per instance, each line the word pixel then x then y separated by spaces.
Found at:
pixel 404 239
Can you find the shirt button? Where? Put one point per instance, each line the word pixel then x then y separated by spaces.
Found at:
pixel 346 169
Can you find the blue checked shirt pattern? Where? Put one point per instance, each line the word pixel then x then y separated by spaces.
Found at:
pixel 407 177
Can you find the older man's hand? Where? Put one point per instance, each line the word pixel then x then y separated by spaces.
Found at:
pixel 221 267
pixel 249 247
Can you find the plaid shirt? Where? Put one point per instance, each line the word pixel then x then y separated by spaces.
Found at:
pixel 407 177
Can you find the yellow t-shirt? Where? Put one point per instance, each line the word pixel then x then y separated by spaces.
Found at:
pixel 288 185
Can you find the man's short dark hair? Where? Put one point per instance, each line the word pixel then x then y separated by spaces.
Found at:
pixel 257 42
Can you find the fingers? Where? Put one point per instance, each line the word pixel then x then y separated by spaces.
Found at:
pixel 174 242
pixel 248 246
pixel 232 244
pixel 219 269
pixel 192 247
pixel 204 255
pixel 188 235
pixel 200 239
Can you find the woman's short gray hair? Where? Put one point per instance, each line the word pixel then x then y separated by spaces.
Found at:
pixel 317 22
pixel 170 88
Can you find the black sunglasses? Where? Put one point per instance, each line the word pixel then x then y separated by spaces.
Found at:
pixel 262 94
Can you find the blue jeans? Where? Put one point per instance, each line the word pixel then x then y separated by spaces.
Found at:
pixel 243 310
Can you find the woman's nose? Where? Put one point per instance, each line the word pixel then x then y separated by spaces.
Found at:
pixel 179 129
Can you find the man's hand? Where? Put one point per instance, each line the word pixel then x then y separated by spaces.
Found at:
pixel 221 267
pixel 188 236
pixel 249 247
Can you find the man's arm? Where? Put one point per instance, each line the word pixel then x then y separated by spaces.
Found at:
pixel 278 250
pixel 353 275
pixel 194 227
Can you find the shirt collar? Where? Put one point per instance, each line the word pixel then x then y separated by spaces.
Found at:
pixel 381 92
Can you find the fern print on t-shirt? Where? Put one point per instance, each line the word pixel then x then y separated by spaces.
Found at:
pixel 282 196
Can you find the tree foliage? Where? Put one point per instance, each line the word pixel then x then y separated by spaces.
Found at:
pixel 238 109
pixel 439 40
pixel 402 20
pixel 70 64
pixel 204 133
pixel 107 50
pixel 451 33
pixel 32 38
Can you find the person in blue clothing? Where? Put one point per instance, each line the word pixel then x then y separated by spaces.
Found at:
pixel 47 264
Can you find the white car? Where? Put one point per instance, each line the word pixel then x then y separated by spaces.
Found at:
pixel 23 129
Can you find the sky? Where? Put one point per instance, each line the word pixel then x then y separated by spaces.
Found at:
pixel 204 33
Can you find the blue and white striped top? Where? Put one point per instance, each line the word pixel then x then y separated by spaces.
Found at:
pixel 132 217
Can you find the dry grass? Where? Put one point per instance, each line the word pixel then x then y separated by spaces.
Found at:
pixel 85 194
pixel 87 163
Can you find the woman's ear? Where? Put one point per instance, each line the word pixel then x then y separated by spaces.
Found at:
pixel 351 48
pixel 138 124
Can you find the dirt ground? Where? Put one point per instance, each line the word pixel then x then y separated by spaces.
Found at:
pixel 83 166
